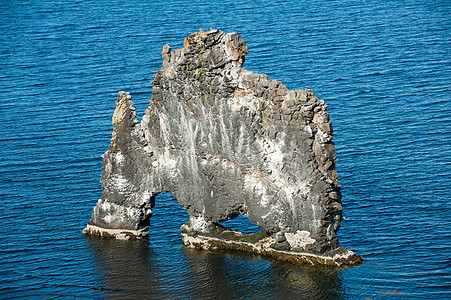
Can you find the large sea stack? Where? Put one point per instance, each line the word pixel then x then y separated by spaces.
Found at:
pixel 225 141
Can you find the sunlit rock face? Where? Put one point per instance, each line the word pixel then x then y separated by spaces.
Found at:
pixel 225 141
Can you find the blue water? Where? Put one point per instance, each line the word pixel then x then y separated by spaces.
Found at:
pixel 383 67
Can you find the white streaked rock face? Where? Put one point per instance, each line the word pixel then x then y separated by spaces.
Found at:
pixel 299 240
pixel 115 216
pixel 199 224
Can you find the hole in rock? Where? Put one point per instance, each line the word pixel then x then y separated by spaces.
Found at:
pixel 168 216
pixel 242 224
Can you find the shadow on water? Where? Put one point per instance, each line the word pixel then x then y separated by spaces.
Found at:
pixel 161 268
pixel 245 276
pixel 125 267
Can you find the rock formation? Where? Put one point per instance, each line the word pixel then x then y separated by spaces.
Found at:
pixel 225 141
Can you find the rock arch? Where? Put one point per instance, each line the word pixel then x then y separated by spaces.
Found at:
pixel 225 141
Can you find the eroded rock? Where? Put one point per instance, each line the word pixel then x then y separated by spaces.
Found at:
pixel 225 141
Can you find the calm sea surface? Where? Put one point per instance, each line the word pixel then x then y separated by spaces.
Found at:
pixel 384 68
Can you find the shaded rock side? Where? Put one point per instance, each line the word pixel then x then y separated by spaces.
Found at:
pixel 225 141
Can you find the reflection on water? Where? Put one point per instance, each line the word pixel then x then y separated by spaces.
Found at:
pixel 241 275
pixel 125 267
pixel 135 269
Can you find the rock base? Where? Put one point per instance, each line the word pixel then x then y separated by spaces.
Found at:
pixel 116 233
pixel 263 244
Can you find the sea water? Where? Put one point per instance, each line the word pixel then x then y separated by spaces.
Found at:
pixel 383 67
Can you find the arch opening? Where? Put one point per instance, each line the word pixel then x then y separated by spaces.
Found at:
pixel 242 224
pixel 165 204
pixel 238 229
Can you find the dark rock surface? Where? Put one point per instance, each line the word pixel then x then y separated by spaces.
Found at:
pixel 225 141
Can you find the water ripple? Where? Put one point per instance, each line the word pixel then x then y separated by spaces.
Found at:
pixel 382 67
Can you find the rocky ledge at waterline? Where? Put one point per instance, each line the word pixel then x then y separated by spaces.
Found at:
pixel 225 141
